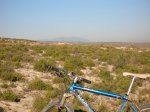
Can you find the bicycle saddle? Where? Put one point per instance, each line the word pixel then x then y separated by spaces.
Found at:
pixel 142 76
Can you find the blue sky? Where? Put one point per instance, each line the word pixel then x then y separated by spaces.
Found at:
pixel 95 20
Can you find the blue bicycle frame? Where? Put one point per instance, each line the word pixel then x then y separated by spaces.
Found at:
pixel 74 88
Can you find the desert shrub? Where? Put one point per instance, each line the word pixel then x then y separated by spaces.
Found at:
pixel 86 96
pixel 143 58
pixel 121 84
pixel 27 58
pixel 145 69
pixel 17 65
pixel 21 57
pixel 38 49
pixel 105 86
pixel 78 72
pixel 120 61
pixel 53 93
pixel 11 76
pixel 17 57
pixel 41 101
pixel 9 95
pixel 12 85
pixel 104 74
pixel 131 68
pixel 38 84
pixel 77 106
pixel 102 108
pixel 2 56
pixel 40 65
pixel 145 92
pixel 38 104
pixel 88 63
pixel 7 65
pixel 4 85
pixel 1 94
pixel 74 63
pixel 14 55
pixel 118 85
pixel 7 73
pixel 19 47
pixel 60 53
pixel 58 80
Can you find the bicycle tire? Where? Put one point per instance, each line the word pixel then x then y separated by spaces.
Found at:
pixel 52 105
pixel 145 108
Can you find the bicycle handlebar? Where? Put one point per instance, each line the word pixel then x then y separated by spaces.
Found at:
pixel 60 73
pixel 73 75
pixel 52 68
pixel 86 80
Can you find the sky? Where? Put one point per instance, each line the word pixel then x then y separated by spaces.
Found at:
pixel 94 20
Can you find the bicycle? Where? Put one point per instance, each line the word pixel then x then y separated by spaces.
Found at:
pixel 62 106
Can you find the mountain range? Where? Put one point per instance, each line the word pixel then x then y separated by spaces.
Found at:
pixel 67 39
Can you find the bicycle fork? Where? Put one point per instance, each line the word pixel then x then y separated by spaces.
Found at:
pixel 63 99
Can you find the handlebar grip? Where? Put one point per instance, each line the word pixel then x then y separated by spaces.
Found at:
pixel 52 68
pixel 58 71
pixel 86 80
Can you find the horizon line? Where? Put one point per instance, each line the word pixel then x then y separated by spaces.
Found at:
pixel 89 41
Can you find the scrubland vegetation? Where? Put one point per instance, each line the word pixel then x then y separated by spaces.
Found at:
pixel 95 59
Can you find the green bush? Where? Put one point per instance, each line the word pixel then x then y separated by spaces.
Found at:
pixel 7 71
pixel 88 63
pixel 131 68
pixel 104 74
pixel 11 76
pixel 40 65
pixel 38 49
pixel 74 63
pixel 1 95
pixel 53 93
pixel 15 53
pixel 38 84
pixel 41 101
pixel 121 61
pixel 77 106
pixel 21 56
pixel 121 84
pixel 145 69
pixel 103 108
pixel 78 72
pixel 60 53
pixel 4 85
pixel 9 65
pixel 9 95
pixel 86 96
pixel 57 80
pixel 118 85
pixel 2 56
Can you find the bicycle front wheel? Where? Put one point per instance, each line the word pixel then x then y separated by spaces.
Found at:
pixel 145 108
pixel 54 107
